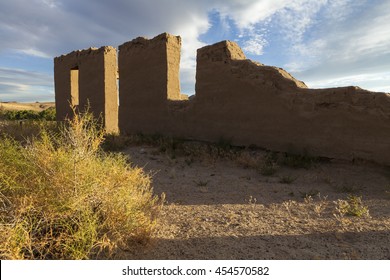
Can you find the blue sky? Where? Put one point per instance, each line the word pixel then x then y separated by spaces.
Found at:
pixel 325 43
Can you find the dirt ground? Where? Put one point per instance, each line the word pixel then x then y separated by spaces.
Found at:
pixel 223 209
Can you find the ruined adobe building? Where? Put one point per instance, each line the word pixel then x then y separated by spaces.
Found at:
pixel 236 99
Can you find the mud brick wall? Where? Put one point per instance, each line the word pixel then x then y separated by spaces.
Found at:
pixel 238 100
pixel 250 103
pixel 149 71
pixel 88 77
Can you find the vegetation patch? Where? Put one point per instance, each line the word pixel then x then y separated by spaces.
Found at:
pixel 48 115
pixel 298 160
pixel 62 197
pixel 270 165
pixel 268 168
pixel 287 179
pixel 353 206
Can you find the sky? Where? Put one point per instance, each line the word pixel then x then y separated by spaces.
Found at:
pixel 325 43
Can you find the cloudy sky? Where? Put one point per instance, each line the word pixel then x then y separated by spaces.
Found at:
pixel 325 43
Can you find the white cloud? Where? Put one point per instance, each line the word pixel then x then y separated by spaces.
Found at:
pixel 190 33
pixel 34 52
pixel 247 13
pixel 375 81
pixel 349 49
pixel 296 17
pixel 51 3
pixel 255 45
pixel 12 75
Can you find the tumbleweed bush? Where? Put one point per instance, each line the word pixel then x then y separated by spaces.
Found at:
pixel 62 197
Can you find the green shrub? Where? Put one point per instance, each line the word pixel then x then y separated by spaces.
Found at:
pixel 353 206
pixel 22 115
pixel 269 166
pixel 48 115
pixel 61 197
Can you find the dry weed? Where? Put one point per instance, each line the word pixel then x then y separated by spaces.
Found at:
pixel 63 198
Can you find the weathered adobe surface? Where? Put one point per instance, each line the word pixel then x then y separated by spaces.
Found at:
pixel 266 106
pixel 248 103
pixel 95 84
pixel 149 76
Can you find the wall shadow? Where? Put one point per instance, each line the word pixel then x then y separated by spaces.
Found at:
pixel 370 245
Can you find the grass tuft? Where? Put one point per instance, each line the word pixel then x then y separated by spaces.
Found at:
pixel 269 166
pixel 353 206
pixel 287 179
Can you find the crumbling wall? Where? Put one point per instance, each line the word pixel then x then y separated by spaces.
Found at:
pixel 149 71
pixel 238 100
pixel 88 77
pixel 250 103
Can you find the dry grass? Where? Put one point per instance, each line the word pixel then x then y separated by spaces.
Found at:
pixel 23 130
pixel 16 106
pixel 61 197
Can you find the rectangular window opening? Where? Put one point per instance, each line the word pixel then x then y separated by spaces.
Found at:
pixel 74 86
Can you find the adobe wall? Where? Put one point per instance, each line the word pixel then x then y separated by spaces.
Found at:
pixel 149 71
pixel 236 99
pixel 88 76
pixel 250 103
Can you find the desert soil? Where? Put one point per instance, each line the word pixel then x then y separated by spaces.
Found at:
pixel 16 106
pixel 220 209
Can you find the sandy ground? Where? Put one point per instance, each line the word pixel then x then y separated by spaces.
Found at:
pixel 36 106
pixel 218 209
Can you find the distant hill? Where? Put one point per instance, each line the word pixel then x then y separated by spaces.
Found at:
pixel 16 106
